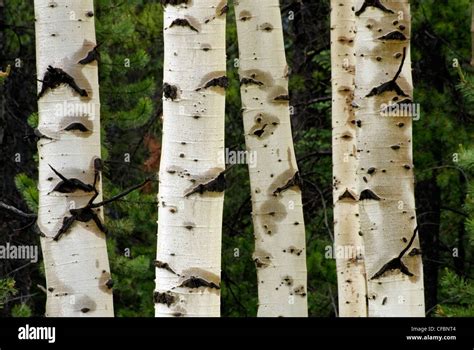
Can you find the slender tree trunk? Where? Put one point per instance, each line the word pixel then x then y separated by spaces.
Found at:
pixel 428 200
pixel 190 191
pixel 386 197
pixel 280 249
pixel 472 34
pixel 352 289
pixel 76 265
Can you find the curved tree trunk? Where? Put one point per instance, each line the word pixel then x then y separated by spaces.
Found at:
pixel 352 289
pixel 192 164
pixel 386 197
pixel 280 247
pixel 76 264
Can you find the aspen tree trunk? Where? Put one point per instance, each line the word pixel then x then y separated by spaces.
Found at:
pixel 76 265
pixel 188 264
pixel 386 196
pixel 352 287
pixel 280 247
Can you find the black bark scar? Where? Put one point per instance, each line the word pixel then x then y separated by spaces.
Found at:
pixel 260 132
pixel 395 36
pixel 70 185
pixel 397 263
pixel 347 195
pixel 76 127
pixel 164 298
pixel 250 81
pixel 174 2
pixel 165 266
pixel 368 194
pixel 372 3
pixel 183 22
pixel 218 184
pixel 197 282
pixel 54 77
pixel 93 55
pixel 392 84
pixel 170 91
pixel 222 82
pixel 296 180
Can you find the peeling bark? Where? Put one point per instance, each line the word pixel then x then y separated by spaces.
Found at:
pixel 386 202
pixel 350 272
pixel 192 182
pixel 275 183
pixel 76 264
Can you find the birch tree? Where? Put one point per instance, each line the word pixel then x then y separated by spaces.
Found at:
pixel 383 98
pixel 280 247
pixel 348 248
pixel 192 166
pixel 73 244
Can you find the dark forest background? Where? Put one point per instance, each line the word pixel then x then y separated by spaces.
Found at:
pixel 131 122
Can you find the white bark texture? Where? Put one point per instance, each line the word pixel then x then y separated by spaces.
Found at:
pixel 76 266
pixel 190 223
pixel 280 246
pixel 351 282
pixel 386 195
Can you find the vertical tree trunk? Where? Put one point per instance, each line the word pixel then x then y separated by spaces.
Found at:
pixel 190 191
pixel 472 34
pixel 351 282
pixel 386 198
pixel 76 265
pixel 280 249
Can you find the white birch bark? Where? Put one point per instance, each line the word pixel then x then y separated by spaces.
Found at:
pixel 386 195
pixel 189 227
pixel 352 287
pixel 76 266
pixel 280 247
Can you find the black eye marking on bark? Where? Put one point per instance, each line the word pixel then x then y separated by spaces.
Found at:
pixel 215 185
pixel 92 56
pixel 282 98
pixel 371 170
pixel 218 184
pixel 296 180
pixel 183 22
pixel 260 132
pixel 392 84
pixel 394 36
pixel 397 263
pixel 174 2
pixel 347 195
pixel 384 301
pixel 194 282
pixel 245 16
pixel 76 127
pixel 395 147
pixel 250 81
pixel 39 135
pixel 368 194
pixel 85 310
pixel 170 91
pixel 372 3
pixel 414 252
pixel 70 185
pixel 90 14
pixel 87 213
pixel 162 265
pixel 110 283
pixel 54 77
pixel 266 27
pixel 222 82
pixel 164 298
